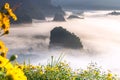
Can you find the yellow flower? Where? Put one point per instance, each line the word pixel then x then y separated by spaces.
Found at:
pixel 5 24
pixel 12 14
pixel 1 24
pixel 14 17
pixel 16 74
pixel 41 72
pixel 109 76
pixel 7 6
pixel 4 63
pixel 3 49
pixel 5 18
pixel 1 16
pixel 11 72
pixel 96 72
pixel 6 21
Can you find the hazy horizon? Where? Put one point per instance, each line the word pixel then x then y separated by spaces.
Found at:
pixel 89 4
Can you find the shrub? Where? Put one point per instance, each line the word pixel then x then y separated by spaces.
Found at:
pixel 62 71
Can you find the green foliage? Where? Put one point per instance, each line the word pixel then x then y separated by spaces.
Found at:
pixel 58 70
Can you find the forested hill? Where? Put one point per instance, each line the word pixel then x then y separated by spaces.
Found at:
pixel 33 9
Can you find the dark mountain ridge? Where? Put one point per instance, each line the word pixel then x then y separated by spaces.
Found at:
pixel 33 9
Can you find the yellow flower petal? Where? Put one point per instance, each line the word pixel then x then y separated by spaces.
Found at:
pixel 7 6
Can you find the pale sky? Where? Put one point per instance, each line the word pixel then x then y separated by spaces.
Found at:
pixel 89 3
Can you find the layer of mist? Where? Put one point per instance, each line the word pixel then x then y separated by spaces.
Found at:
pixel 99 35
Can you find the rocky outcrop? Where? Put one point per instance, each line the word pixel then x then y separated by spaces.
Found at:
pixel 59 17
pixel 60 37
pixel 74 16
pixel 114 13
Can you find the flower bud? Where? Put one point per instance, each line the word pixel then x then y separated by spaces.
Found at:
pixel 13 57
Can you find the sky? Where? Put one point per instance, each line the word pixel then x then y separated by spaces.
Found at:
pixel 95 4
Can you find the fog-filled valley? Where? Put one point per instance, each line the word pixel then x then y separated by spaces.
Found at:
pixel 98 32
